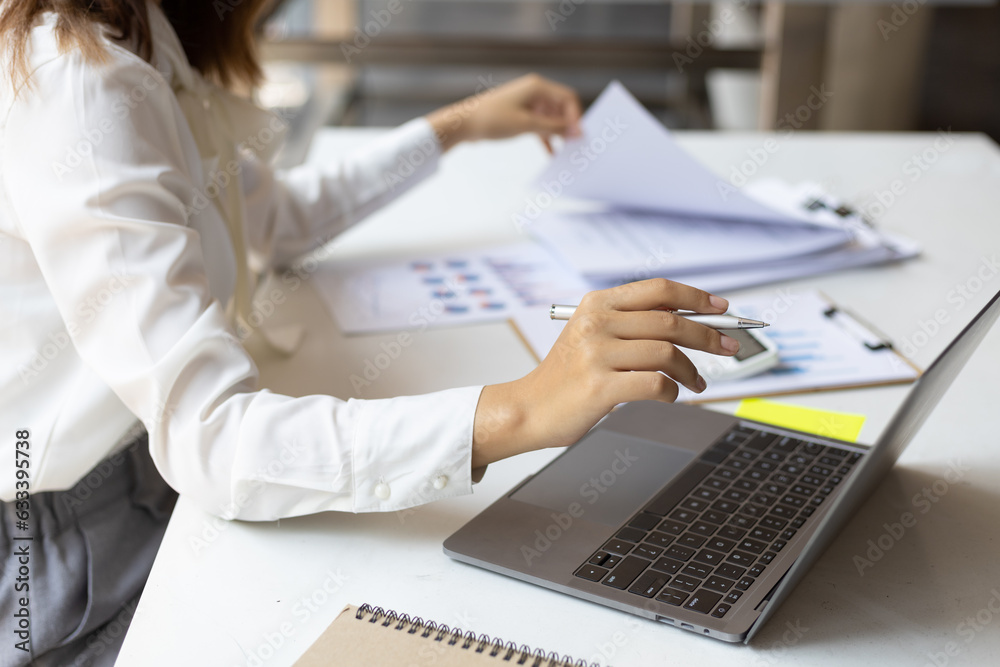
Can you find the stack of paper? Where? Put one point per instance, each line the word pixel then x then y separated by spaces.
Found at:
pixel 661 213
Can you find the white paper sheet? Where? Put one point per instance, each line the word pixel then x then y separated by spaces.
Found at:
pixel 440 289
pixel 625 157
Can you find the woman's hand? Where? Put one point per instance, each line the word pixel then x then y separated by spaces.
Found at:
pixel 530 103
pixel 611 351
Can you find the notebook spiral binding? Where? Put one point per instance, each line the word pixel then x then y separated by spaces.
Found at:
pixel 468 640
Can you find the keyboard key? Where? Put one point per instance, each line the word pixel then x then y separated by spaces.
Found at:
pixel 826 490
pixel 719 584
pixel 685 583
pixel 705 493
pixel 741 558
pixel 773 489
pixel 730 571
pixel 753 546
pixel 812 480
pixel 689 540
pixel 721 544
pixel 786 444
pixel 775 456
pixel 782 478
pixel 726 473
pixel 678 552
pixel 598 558
pixel 760 441
pixel 645 521
pixel 709 556
pixel 853 458
pixel 744 583
pixel 611 561
pixel 699 570
pixel 756 511
pixel 658 539
pixel 725 506
pixel 763 534
pixel 788 534
pixel 716 483
pixel 792 469
pixel 747 454
pixel 778 545
pixel 829 461
pixel 794 501
pixel 668 565
pixel 800 459
pixel 648 584
pixel 702 528
pixel 764 499
pixel 694 504
pixel 731 532
pixel 756 570
pixel 732 596
pixel 798 521
pixel 646 551
pixel 703 601
pixel 672 527
pixel 631 534
pixel 619 547
pixel 813 448
pixel 835 479
pixel 817 499
pixel 625 573
pixel 773 522
pixel 720 610
pixel 766 466
pixel 807 511
pixel 672 596
pixel 745 485
pixel 714 517
pixel 687 516
pixel 755 475
pixel 803 489
pixel 767 557
pixel 735 495
pixel 740 521
pixel 783 512
pixel 838 453
pixel 823 471
pixel 737 464
pixel 591 572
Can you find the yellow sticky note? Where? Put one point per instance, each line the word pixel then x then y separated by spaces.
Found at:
pixel 840 425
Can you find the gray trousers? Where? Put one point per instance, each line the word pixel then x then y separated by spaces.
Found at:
pixel 90 552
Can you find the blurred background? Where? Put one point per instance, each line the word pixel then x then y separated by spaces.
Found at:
pixel 731 65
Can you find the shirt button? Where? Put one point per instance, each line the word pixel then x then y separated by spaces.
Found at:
pixel 440 482
pixel 382 490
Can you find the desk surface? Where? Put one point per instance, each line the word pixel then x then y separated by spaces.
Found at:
pixel 231 593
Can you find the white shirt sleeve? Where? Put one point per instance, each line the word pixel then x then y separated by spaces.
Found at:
pixel 162 343
pixel 297 210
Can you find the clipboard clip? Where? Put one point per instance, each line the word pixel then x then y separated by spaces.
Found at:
pixel 861 332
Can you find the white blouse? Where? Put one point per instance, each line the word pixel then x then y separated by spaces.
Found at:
pixel 127 192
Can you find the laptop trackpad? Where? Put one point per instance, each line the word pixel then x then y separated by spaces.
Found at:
pixel 609 475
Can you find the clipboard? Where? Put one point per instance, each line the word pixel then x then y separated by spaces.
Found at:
pixel 822 347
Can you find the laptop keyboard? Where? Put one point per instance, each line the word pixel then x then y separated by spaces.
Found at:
pixel 703 542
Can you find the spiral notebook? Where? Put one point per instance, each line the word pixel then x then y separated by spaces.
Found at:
pixel 369 637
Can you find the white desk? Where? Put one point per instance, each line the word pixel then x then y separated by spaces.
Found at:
pixel 258 594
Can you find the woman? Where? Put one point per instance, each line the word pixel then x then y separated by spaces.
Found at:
pixel 137 204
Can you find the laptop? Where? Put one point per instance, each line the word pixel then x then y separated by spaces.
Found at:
pixel 690 517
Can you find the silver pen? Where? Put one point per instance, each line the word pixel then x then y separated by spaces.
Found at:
pixel 558 312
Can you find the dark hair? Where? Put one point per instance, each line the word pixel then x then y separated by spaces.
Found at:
pixel 217 35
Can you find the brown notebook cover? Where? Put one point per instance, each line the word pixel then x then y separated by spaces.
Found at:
pixel 372 637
